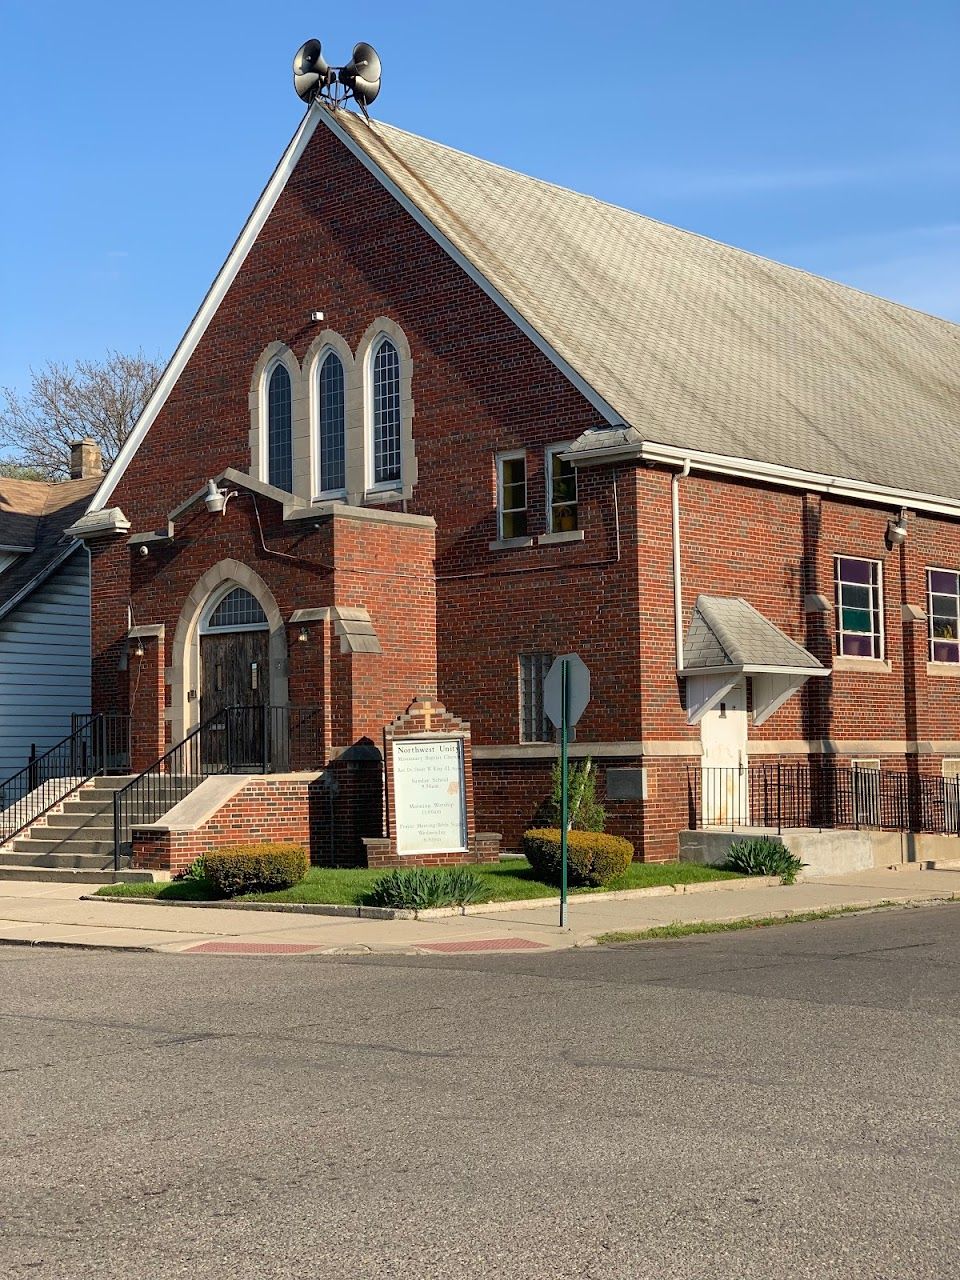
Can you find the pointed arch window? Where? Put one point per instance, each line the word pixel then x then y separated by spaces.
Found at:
pixel 280 429
pixel 237 610
pixel 386 413
pixel 331 426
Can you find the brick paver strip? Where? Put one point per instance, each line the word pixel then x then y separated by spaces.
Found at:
pixel 254 948
pixel 483 944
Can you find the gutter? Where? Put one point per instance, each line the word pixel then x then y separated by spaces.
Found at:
pixel 677 585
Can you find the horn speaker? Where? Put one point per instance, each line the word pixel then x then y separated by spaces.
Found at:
pixel 311 70
pixel 362 74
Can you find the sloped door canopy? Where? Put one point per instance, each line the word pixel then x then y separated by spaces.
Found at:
pixel 727 639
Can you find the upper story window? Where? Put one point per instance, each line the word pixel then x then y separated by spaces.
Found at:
pixel 943 610
pixel 561 491
pixel 331 426
pixel 512 495
pixel 859 607
pixel 280 429
pixel 386 414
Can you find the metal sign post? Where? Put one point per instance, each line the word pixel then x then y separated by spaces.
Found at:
pixel 564 798
pixel 566 692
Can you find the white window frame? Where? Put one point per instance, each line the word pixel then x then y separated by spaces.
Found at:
pixel 512 456
pixel 838 611
pixel 320 494
pixel 931 569
pixel 549 454
pixel 265 418
pixel 216 599
pixel 381 486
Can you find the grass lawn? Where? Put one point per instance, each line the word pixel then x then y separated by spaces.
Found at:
pixel 508 881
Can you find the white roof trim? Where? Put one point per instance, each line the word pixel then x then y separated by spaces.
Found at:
pixel 208 308
pixel 771 473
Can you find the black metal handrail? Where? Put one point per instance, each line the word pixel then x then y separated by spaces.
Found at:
pixel 822 796
pixel 237 739
pixel 98 744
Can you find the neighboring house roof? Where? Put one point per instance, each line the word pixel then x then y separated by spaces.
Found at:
pixel 33 518
pixel 727 631
pixel 690 343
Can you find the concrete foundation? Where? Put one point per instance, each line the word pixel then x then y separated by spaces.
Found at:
pixel 828 853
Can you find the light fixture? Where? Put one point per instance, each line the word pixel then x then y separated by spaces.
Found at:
pixel 138 651
pixel 897 529
pixel 316 316
pixel 302 635
pixel 216 499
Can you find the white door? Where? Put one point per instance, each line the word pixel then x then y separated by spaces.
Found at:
pixel 723 738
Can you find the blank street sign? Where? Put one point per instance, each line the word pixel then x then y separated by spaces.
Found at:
pixel 578 689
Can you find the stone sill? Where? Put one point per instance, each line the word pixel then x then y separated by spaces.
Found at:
pixel 565 535
pixel 875 666
pixel 951 670
pixel 510 544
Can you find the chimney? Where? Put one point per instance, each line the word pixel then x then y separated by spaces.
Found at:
pixel 85 460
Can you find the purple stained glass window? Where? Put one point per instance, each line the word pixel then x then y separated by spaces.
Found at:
pixel 943 613
pixel 859 615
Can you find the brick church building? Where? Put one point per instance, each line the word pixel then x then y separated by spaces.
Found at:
pixel 436 423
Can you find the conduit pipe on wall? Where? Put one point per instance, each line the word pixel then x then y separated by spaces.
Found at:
pixel 677 584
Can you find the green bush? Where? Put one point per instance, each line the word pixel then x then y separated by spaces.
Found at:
pixel 255 868
pixel 417 888
pixel 592 857
pixel 196 873
pixel 586 813
pixel 763 856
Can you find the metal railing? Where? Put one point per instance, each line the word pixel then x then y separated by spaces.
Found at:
pixel 98 744
pixel 235 740
pixel 822 796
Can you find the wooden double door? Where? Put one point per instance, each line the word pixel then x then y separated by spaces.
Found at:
pixel 235 672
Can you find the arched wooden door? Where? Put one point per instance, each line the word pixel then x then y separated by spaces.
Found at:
pixel 235 683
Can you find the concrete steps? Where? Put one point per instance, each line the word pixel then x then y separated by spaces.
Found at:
pixel 72 844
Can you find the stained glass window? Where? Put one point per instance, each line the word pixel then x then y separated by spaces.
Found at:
pixel 330 415
pixel 280 430
pixel 386 414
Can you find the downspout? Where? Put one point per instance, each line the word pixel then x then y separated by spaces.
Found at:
pixel 677 585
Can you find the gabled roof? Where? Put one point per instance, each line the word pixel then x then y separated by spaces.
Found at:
pixel 692 344
pixel 727 631
pixel 34 516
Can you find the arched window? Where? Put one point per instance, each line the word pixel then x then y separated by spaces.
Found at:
pixel 237 610
pixel 280 430
pixel 385 406
pixel 330 426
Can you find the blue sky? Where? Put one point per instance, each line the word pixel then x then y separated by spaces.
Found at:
pixel 137 138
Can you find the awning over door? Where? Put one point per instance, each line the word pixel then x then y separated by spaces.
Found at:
pixel 728 638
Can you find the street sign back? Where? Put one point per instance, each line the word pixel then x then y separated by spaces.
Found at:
pixel 578 689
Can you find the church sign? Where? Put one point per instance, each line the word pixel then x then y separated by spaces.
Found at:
pixel 430 811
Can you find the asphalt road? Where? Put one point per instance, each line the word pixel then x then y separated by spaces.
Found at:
pixel 775 1103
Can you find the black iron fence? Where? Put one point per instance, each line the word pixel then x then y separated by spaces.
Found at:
pixel 822 796
pixel 235 740
pixel 97 744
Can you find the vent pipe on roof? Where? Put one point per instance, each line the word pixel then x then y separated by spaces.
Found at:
pixel 86 461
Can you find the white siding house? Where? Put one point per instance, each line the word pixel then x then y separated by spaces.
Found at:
pixel 44 615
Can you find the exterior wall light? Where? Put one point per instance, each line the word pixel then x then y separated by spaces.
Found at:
pixel 302 635
pixel 216 499
pixel 897 529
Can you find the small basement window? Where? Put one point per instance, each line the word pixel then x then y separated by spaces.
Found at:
pixel 534 723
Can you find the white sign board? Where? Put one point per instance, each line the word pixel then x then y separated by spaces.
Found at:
pixel 429 801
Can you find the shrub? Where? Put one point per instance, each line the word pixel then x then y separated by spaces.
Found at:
pixel 196 873
pixel 255 868
pixel 586 813
pixel 419 887
pixel 763 856
pixel 592 857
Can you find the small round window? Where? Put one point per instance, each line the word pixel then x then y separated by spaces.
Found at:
pixel 238 609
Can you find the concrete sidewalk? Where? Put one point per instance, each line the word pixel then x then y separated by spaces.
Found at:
pixel 54 915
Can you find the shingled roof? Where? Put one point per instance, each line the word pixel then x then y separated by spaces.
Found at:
pixel 693 343
pixel 727 631
pixel 33 517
